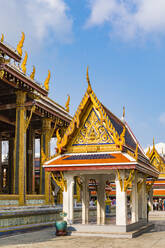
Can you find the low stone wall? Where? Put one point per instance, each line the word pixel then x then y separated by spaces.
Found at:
pixel 13 200
pixel 27 217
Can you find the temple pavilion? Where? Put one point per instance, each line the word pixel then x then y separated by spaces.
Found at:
pixel 99 146
pixel 158 161
pixel 26 114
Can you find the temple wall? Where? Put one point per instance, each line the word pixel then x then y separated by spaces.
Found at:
pixel 23 218
pixel 13 200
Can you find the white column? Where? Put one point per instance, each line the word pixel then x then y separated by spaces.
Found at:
pixel 140 203
pixel 135 213
pixel 151 198
pixel 101 201
pixel 85 200
pixel 68 199
pixel 121 203
pixel 144 200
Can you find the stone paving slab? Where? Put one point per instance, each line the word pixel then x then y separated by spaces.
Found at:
pixel 47 239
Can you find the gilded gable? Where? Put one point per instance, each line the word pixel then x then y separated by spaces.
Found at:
pixel 155 162
pixel 93 132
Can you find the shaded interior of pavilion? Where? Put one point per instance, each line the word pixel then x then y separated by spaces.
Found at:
pixel 102 201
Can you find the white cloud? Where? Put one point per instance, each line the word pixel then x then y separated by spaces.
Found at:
pixel 41 20
pixel 129 18
pixel 162 118
pixel 160 147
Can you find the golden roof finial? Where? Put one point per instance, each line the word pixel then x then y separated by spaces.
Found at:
pixel 148 152
pixel 153 143
pixel 32 75
pixel 89 84
pixel 46 83
pixel 123 112
pixel 162 150
pixel 67 104
pixel 20 44
pixel 2 38
pixel 23 66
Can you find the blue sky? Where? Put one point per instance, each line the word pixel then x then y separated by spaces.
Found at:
pixel 122 41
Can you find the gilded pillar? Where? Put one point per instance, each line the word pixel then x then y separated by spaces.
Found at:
pixel 44 154
pixel 20 148
pixel 30 160
pixel 11 166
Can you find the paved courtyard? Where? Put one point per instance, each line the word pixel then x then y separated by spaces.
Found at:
pixel 46 239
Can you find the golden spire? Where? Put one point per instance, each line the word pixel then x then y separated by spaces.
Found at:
pixel 67 104
pixel 153 143
pixel 89 84
pixel 123 112
pixel 20 44
pixel 32 75
pixel 148 152
pixel 162 150
pixel 46 83
pixel 2 38
pixel 23 66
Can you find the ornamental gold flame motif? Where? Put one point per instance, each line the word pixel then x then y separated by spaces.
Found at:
pixel 20 44
pixel 23 66
pixel 89 90
pixel 32 75
pixel 93 132
pixel 46 83
pixel 67 104
pixel 2 38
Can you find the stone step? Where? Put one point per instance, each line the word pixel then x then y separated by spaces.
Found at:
pixel 107 231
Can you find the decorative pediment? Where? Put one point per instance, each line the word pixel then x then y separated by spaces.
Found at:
pixel 93 132
pixel 96 130
pixel 155 162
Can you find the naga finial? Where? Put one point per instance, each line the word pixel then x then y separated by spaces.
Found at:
pixel 123 112
pixel 23 66
pixel 2 38
pixel 46 83
pixel 67 104
pixel 89 84
pixel 32 75
pixel 123 116
pixel 20 44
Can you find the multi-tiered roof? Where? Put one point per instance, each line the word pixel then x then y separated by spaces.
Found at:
pixel 13 77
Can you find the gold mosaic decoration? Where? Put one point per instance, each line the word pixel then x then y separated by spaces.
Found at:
pixel 156 163
pixel 93 132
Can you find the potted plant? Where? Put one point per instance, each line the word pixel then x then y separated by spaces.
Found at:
pixel 61 225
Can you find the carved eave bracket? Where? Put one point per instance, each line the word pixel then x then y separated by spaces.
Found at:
pixel 52 130
pixel 149 186
pixel 61 182
pixel 29 118
pixel 129 179
pixel 126 181
pixel 2 72
pixel 43 156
